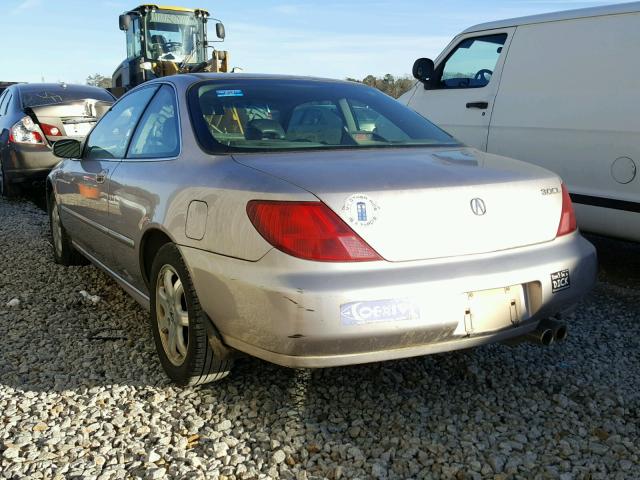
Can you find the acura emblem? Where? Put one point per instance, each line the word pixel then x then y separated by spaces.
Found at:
pixel 478 207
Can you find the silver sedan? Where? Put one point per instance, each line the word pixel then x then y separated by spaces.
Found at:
pixel 312 223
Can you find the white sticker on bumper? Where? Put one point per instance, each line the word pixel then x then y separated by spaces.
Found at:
pixel 376 311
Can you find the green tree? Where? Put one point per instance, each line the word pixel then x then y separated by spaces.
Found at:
pixel 388 84
pixel 98 80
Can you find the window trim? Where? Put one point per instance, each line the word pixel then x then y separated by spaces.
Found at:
pixel 442 64
pixel 117 159
pixel 126 157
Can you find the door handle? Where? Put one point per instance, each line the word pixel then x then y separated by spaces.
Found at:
pixel 102 176
pixel 480 105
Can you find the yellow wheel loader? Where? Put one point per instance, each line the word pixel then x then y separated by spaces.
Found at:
pixel 165 41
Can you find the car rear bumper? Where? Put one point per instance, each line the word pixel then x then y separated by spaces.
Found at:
pixel 28 162
pixel 309 314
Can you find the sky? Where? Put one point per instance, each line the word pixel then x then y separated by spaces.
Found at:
pixel 67 40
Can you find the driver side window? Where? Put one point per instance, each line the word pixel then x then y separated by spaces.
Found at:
pixel 472 62
pixel 110 137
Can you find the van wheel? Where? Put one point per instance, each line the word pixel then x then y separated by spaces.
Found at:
pixel 63 251
pixel 191 353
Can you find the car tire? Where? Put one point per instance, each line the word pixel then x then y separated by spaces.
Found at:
pixel 190 349
pixel 64 252
pixel 7 189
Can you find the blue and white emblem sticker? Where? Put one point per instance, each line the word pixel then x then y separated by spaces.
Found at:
pixel 376 311
pixel 360 209
pixel 229 93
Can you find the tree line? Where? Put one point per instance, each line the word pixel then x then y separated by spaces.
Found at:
pixel 392 86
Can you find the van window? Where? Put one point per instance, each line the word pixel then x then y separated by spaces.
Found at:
pixel 472 62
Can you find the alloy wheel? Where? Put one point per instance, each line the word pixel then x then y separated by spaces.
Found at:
pixel 172 315
pixel 56 229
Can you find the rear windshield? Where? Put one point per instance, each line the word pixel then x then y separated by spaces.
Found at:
pixel 39 96
pixel 267 115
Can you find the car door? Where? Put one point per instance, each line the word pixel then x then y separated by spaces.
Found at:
pixel 467 78
pixel 83 184
pixel 140 183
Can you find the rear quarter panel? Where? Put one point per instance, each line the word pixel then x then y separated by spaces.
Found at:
pixel 147 195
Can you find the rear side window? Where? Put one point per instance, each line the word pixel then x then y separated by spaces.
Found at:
pixel 157 135
pixel 3 98
pixel 110 137
pixel 4 103
pixel 472 63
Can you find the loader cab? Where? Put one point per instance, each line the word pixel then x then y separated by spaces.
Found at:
pixel 161 41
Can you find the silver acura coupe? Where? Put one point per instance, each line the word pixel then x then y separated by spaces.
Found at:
pixel 311 223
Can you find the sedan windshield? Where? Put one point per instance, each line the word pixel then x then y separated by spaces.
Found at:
pixel 269 114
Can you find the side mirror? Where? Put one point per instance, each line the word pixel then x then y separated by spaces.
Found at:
pixel 220 33
pixel 68 148
pixel 424 70
pixel 124 21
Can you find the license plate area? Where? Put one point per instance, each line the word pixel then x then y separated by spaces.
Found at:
pixel 80 129
pixel 491 310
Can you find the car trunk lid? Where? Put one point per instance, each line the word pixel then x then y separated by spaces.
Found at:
pixel 413 204
pixel 72 119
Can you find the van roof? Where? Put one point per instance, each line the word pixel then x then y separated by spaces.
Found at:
pixel 633 7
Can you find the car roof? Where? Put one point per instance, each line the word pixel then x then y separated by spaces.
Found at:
pixel 633 7
pixel 263 76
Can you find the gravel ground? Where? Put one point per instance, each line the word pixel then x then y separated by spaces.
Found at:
pixel 82 393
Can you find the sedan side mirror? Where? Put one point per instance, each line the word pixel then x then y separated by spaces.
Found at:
pixel 68 148
pixel 424 71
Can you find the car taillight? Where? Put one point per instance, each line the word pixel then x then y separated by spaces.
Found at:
pixel 568 222
pixel 50 130
pixel 308 230
pixel 25 131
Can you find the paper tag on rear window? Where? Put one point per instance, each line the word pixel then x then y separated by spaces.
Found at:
pixel 362 313
pixel 230 93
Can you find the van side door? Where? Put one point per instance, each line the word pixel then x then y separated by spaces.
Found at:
pixel 460 100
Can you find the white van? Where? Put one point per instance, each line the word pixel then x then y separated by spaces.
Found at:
pixel 560 90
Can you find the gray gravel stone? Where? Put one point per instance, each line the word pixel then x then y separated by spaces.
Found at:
pixel 82 394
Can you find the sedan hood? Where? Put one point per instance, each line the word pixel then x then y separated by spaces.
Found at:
pixel 413 204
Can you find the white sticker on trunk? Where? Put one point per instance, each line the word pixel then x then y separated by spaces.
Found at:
pixel 361 210
pixel 376 311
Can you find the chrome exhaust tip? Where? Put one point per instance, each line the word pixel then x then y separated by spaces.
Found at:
pixel 548 332
pixel 542 335
pixel 560 330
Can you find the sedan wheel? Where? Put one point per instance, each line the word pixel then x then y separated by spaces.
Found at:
pixel 64 252
pixel 56 231
pixel 188 344
pixel 173 317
